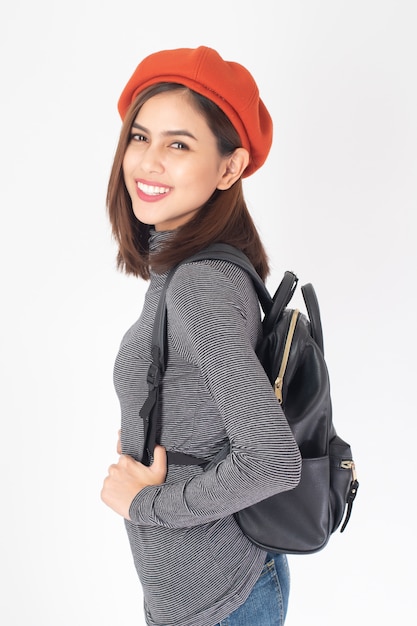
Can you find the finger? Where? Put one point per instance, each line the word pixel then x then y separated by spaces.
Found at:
pixel 160 454
pixel 112 469
pixel 125 460
pixel 119 443
pixel 160 460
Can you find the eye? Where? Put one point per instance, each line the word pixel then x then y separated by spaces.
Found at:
pixel 179 145
pixel 137 137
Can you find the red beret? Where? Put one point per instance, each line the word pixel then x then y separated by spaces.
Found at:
pixel 228 84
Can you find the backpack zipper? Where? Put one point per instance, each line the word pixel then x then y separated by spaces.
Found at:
pixel 279 382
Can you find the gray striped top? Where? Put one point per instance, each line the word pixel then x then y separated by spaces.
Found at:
pixel 194 563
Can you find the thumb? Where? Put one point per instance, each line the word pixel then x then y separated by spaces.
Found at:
pixel 159 464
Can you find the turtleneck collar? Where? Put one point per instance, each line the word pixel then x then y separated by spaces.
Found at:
pixel 158 238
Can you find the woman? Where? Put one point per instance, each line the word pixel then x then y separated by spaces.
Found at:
pixel 193 126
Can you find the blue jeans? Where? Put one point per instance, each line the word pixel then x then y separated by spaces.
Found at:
pixel 268 601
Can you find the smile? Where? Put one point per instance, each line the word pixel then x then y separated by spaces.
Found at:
pixel 152 190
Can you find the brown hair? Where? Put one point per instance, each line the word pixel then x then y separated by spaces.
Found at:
pixel 223 218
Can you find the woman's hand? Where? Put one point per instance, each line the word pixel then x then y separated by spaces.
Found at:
pixel 128 477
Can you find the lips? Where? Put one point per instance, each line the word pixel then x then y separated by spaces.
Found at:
pixel 151 192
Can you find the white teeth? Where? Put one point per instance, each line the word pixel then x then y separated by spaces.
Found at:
pixel 152 190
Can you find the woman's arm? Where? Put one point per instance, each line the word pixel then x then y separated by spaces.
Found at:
pixel 210 318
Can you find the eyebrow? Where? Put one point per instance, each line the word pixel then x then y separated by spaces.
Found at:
pixel 168 133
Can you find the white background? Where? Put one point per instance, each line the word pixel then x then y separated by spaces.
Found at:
pixel 335 202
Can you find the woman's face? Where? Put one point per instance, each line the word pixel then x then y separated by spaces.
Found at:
pixel 172 164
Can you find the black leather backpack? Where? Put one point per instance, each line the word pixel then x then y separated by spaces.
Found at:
pixel 299 521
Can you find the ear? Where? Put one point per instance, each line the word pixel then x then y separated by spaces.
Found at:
pixel 234 167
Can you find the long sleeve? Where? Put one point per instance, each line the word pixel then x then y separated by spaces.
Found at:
pixel 212 316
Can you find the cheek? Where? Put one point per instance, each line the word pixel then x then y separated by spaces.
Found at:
pixel 129 161
pixel 125 163
pixel 200 176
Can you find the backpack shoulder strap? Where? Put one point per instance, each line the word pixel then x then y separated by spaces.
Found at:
pixel 280 300
pixel 226 252
pixel 223 252
pixel 271 307
pixel 313 310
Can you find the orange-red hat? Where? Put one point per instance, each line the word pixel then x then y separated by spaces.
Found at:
pixel 228 84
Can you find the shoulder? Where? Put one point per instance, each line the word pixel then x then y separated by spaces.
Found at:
pixel 212 277
pixel 212 281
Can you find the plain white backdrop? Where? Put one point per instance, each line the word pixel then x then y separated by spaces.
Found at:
pixel 336 202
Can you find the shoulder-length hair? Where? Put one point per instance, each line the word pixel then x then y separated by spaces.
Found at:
pixel 223 218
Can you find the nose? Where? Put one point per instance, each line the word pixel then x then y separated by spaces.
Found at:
pixel 152 159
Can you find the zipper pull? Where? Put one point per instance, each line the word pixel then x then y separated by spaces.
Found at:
pixel 349 464
pixel 353 490
pixel 278 388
